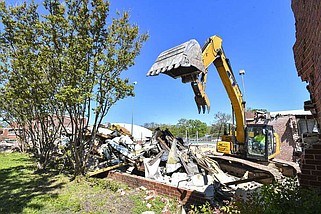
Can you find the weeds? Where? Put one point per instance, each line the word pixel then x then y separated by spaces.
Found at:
pixel 204 208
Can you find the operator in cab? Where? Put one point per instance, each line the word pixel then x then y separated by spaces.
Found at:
pixel 260 136
pixel 260 139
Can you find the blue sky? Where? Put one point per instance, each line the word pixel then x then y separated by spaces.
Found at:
pixel 257 36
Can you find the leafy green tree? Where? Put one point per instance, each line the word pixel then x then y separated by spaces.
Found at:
pixel 64 64
pixel 26 99
pixel 183 127
pixel 197 126
pixel 152 126
pixel 192 127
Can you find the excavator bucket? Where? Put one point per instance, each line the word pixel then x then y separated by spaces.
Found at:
pixel 183 61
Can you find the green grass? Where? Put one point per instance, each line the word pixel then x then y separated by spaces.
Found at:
pixel 24 191
pixel 21 189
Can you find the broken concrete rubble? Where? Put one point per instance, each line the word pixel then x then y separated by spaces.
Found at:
pixel 165 159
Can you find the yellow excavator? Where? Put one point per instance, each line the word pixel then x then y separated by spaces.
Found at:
pixel 257 143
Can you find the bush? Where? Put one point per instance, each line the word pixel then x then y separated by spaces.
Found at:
pixel 278 198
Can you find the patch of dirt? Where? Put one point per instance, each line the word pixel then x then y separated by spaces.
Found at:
pixel 109 202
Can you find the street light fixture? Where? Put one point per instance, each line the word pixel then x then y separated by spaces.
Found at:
pixel 132 125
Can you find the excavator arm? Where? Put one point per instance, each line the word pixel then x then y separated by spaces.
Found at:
pixel 190 62
pixel 213 53
pixel 201 98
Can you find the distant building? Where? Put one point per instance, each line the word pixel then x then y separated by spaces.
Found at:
pixel 8 134
pixel 139 133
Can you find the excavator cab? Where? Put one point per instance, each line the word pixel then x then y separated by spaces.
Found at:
pixel 261 142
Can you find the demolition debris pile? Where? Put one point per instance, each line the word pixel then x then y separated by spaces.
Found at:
pixel 165 159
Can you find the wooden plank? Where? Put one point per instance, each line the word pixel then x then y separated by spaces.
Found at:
pixel 163 143
pixel 105 169
pixel 151 162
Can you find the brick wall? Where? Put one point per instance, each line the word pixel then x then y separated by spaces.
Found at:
pixel 184 195
pixel 307 48
pixel 307 55
pixel 283 129
pixel 311 167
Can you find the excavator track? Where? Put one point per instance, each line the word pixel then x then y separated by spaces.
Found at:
pixel 256 171
pixel 288 168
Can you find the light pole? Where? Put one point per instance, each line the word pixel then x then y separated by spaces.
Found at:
pixel 196 136
pixel 132 125
pixel 242 72
pixel 186 136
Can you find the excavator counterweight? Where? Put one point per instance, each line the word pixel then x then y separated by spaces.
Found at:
pixel 185 61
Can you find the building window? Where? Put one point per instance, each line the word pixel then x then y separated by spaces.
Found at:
pixel 307 126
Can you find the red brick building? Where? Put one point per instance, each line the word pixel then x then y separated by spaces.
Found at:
pixel 8 134
pixel 307 54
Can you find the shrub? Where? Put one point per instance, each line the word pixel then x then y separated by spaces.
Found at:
pixel 277 198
